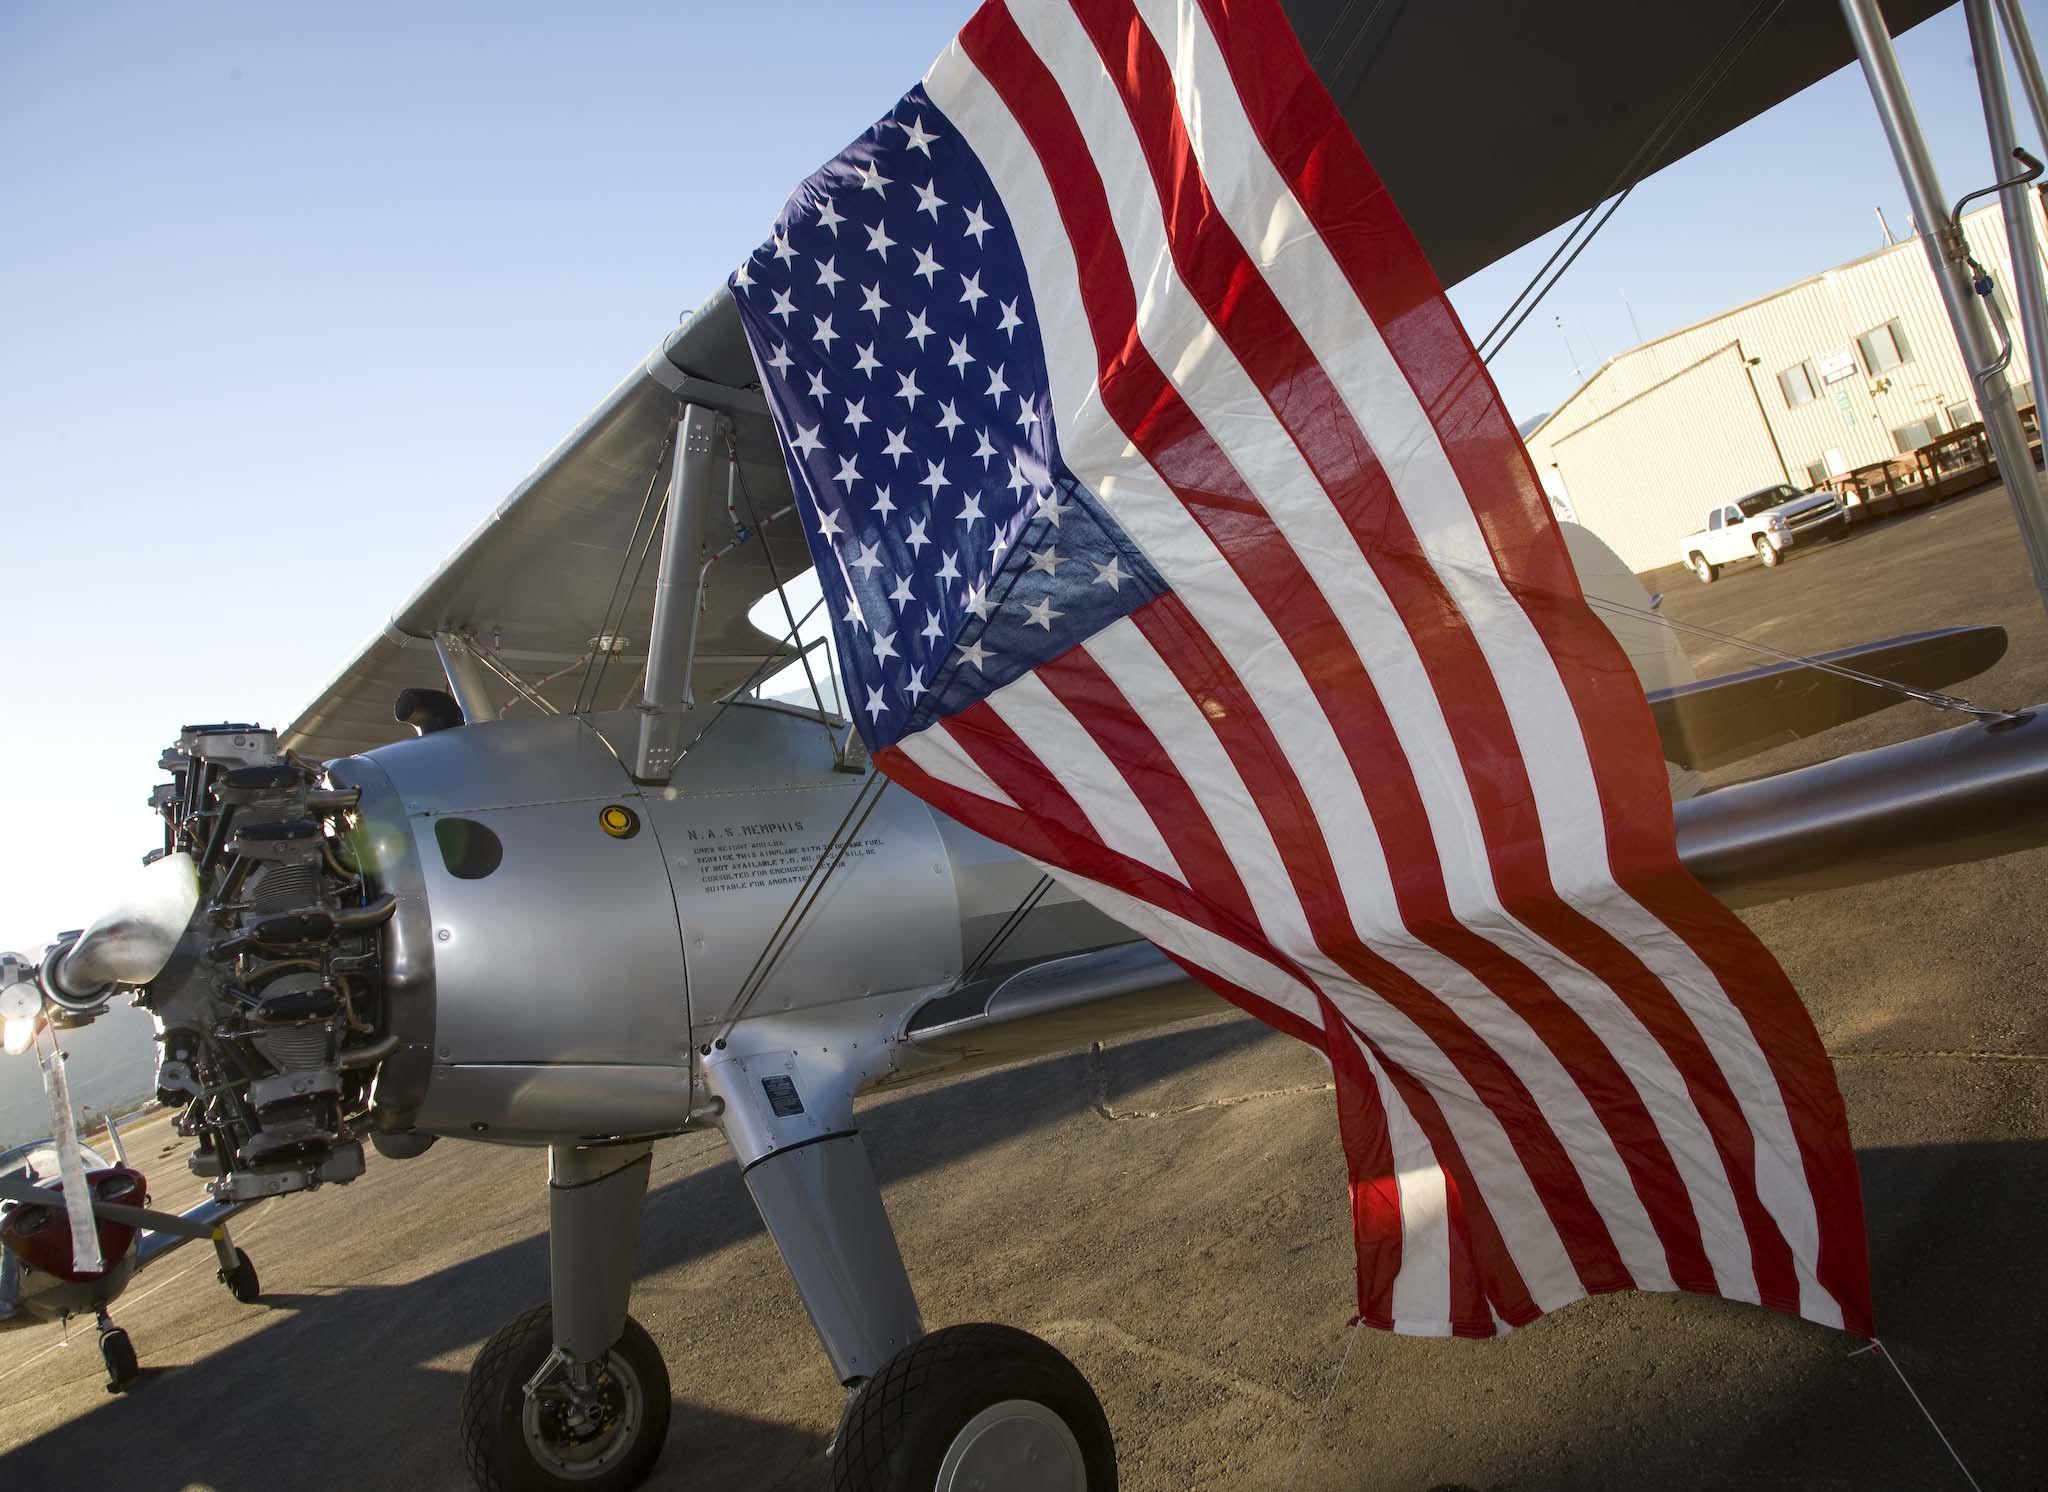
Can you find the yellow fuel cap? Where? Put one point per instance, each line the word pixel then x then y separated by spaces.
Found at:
pixel 619 821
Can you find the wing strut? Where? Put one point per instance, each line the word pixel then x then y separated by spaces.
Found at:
pixel 666 694
pixel 1964 288
pixel 465 678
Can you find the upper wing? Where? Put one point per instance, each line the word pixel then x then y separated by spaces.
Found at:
pixel 1492 122
pixel 531 584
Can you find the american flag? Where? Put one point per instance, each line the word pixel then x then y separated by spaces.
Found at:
pixel 1176 537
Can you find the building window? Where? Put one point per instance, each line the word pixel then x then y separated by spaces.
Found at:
pixel 1911 437
pixel 1798 385
pixel 1960 415
pixel 1884 347
pixel 1817 473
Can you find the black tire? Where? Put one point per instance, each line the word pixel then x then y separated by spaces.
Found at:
pixel 899 1428
pixel 1768 552
pixel 1706 573
pixel 241 1280
pixel 118 1353
pixel 495 1443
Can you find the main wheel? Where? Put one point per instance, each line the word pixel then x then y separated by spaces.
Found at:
pixel 604 1441
pixel 987 1408
pixel 241 1280
pixel 1767 551
pixel 118 1353
pixel 1706 572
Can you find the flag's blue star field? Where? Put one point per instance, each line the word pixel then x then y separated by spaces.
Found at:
pixel 893 325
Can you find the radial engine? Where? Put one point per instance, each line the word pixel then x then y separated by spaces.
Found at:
pixel 269 1011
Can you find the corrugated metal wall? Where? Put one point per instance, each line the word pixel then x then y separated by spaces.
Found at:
pixel 1626 442
pixel 1651 467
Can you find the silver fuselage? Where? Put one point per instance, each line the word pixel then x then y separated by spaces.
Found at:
pixel 550 979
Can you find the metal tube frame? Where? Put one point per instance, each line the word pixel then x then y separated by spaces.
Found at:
pixel 2019 214
pixel 2028 61
pixel 595 1196
pixel 673 638
pixel 465 678
pixel 1946 256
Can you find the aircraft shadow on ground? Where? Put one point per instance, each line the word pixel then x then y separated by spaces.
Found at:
pixel 359 1388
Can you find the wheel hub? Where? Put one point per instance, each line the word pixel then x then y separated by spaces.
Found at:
pixel 579 1433
pixel 1018 1445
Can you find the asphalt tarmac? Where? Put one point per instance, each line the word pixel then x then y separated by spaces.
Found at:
pixel 1170 1213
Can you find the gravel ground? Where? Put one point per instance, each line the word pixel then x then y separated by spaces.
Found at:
pixel 1169 1212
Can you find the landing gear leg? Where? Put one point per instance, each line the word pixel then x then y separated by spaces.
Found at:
pixel 573 1392
pixel 118 1353
pixel 964 1407
pixel 236 1271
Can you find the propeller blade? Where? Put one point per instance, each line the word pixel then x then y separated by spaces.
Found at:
pixel 20 1003
pixel 131 943
pixel 85 1233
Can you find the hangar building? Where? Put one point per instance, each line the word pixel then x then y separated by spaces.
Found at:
pixel 1855 365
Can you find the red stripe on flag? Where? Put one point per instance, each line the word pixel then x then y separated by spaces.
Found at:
pixel 1051 842
pixel 1100 708
pixel 1011 764
pixel 1376 1224
pixel 1138 395
pixel 1330 176
pixel 1243 733
pixel 1256 327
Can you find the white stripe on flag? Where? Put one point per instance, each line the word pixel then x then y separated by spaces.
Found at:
pixel 935 752
pixel 1318 298
pixel 1223 396
pixel 1422 1288
pixel 1085 771
pixel 1103 457
pixel 1199 946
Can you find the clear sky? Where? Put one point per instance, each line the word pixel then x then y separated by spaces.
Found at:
pixel 290 297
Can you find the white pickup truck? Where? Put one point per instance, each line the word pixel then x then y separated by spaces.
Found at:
pixel 1763 526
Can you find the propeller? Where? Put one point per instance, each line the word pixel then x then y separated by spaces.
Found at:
pixel 20 1003
pixel 21 1009
pixel 133 940
pixel 85 1232
pixel 129 944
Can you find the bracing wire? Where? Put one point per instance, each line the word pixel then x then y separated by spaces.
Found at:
pixel 1011 923
pixel 586 683
pixel 626 601
pixel 1646 159
pixel 732 456
pixel 791 922
pixel 1936 698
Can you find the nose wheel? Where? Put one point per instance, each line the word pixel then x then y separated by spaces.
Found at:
pixel 241 1280
pixel 118 1353
pixel 975 1409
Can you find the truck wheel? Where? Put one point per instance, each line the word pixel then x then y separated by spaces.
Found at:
pixel 1706 572
pixel 1767 551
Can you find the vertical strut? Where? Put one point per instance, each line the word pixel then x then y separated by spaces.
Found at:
pixel 1943 241
pixel 2016 198
pixel 673 637
pixel 2028 61
pixel 465 678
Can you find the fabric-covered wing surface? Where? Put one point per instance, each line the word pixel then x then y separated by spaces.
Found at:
pixel 1490 124
pixel 530 585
